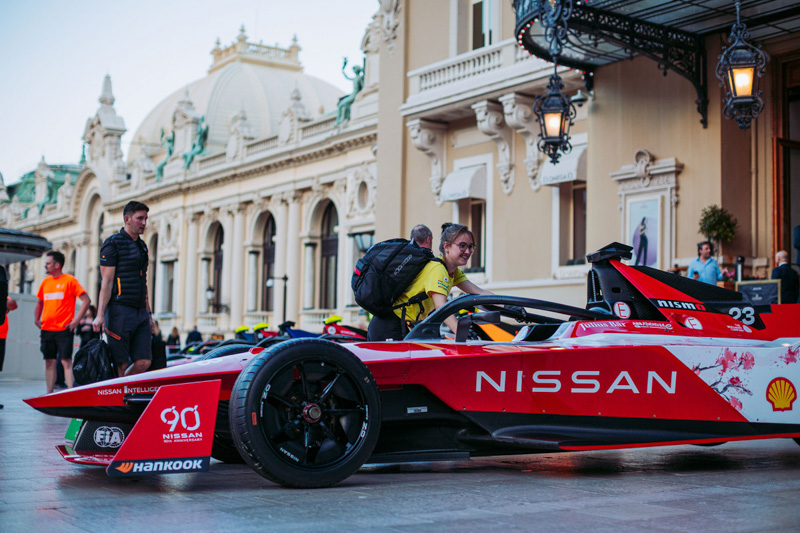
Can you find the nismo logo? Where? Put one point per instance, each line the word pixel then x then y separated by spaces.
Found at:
pixel 674 304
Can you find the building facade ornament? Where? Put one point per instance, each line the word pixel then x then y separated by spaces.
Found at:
pixel 362 185
pixel 491 122
pixel 104 131
pixel 383 28
pixel 518 111
pixel 653 180
pixel 240 132
pixel 428 137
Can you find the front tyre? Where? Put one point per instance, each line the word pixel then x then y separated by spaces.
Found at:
pixel 305 413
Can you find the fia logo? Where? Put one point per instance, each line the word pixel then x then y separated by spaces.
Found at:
pixel 108 437
pixel 171 416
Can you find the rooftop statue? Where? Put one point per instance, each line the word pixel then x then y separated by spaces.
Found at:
pixel 199 145
pixel 343 107
pixel 168 143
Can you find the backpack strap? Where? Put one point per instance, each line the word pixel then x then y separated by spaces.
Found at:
pixel 415 300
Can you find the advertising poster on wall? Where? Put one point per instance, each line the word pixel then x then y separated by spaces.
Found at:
pixel 644 231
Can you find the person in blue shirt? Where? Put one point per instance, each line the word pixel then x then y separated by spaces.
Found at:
pixel 704 268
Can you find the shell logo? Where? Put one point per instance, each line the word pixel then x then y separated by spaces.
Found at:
pixel 781 394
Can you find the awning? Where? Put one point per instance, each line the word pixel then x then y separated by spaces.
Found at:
pixel 16 246
pixel 571 167
pixel 469 182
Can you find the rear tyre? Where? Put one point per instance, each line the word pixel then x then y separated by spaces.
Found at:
pixel 305 413
pixel 222 351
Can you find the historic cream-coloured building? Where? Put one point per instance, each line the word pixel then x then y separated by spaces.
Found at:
pixel 251 173
pixel 455 105
pixel 254 172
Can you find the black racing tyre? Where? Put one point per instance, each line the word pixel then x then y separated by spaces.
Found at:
pixel 222 351
pixel 224 449
pixel 305 413
pixel 797 440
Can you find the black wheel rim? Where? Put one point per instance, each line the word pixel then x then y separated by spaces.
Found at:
pixel 313 414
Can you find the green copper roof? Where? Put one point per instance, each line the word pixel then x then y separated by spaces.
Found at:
pixel 25 189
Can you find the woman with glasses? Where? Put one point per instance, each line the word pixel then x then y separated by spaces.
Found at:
pixel 430 288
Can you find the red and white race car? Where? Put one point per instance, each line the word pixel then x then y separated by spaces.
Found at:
pixel 654 359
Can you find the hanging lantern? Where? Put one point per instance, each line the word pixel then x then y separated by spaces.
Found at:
pixel 555 113
pixel 740 66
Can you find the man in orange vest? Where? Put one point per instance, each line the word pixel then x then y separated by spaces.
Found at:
pixel 11 304
pixel 55 316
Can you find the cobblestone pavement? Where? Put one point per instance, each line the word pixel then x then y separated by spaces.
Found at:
pixel 751 486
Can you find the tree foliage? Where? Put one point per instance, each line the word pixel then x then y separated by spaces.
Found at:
pixel 717 224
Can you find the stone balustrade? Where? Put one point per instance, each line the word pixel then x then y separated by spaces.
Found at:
pixel 472 74
pixel 322 126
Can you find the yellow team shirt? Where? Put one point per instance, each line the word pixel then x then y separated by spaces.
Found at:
pixel 433 278
pixel 58 296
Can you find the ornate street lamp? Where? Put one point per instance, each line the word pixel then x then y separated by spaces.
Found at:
pixel 363 241
pixel 216 308
pixel 554 111
pixel 740 66
pixel 555 114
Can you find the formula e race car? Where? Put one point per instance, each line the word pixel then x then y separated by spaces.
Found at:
pixel 654 359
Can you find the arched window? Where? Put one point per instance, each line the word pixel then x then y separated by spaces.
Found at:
pixel 268 255
pixel 329 254
pixel 219 240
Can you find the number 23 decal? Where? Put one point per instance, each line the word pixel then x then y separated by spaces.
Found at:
pixel 747 315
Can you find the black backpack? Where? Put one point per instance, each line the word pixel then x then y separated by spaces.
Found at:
pixel 388 267
pixel 92 363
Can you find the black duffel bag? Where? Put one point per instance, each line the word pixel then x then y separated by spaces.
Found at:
pixel 93 363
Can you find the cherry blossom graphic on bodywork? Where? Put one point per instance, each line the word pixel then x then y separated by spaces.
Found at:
pixel 728 366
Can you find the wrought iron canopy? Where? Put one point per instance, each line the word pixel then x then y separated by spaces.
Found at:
pixel 670 32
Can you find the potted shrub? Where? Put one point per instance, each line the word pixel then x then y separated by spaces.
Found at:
pixel 717 225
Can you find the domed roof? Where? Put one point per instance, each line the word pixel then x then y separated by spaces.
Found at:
pixel 255 78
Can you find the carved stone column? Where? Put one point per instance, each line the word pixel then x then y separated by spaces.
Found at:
pixel 491 123
pixel 82 260
pixel 293 257
pixel 428 137
pixel 309 275
pixel 518 111
pixel 204 283
pixel 162 289
pixel 252 280
pixel 190 265
pixel 237 268
pixel 226 217
pixel 281 240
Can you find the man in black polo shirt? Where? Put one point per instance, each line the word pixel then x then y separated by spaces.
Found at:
pixel 123 310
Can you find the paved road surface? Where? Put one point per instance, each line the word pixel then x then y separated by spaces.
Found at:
pixel 752 486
